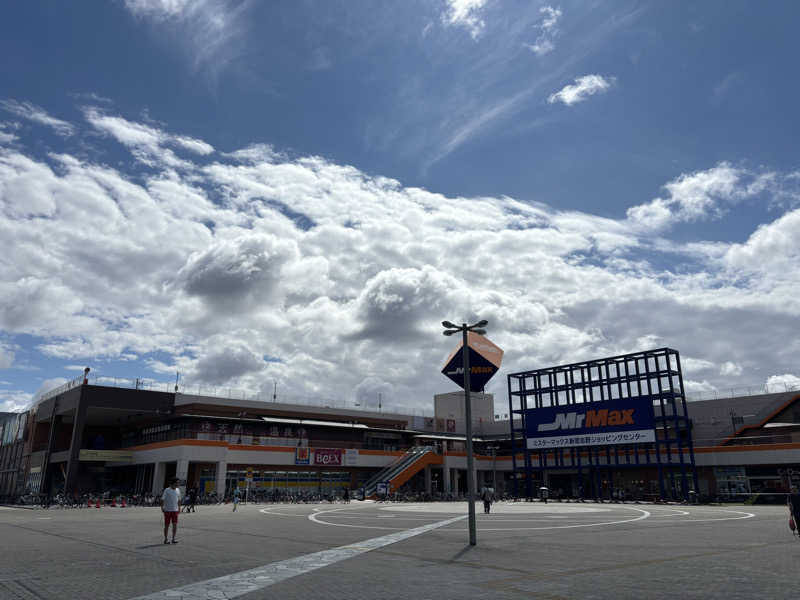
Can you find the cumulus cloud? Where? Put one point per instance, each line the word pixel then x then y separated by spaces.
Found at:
pixel 730 369
pixel 36 114
pixel 781 383
pixel 233 274
pixel 148 144
pixel 466 14
pixel 690 365
pixel 585 86
pixel 225 363
pixel 14 400
pixel 7 138
pixel 548 31
pixel 249 267
pixel 701 195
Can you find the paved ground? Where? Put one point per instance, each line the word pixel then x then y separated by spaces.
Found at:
pixel 419 551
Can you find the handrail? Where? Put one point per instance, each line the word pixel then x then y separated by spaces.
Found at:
pixel 388 473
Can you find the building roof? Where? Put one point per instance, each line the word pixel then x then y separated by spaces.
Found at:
pixel 712 423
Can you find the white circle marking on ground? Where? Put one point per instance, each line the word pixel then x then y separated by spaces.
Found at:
pixel 267 511
pixel 645 514
pixel 502 508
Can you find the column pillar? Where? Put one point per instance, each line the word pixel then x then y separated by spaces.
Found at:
pixel 222 471
pixel 446 475
pixel 182 473
pixel 159 471
pixel 76 441
pixel 427 479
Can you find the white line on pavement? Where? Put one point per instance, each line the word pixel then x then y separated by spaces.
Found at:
pixel 244 582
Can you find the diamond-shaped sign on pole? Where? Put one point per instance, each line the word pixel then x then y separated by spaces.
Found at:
pixel 484 361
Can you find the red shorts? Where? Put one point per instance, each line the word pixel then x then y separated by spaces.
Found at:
pixel 170 517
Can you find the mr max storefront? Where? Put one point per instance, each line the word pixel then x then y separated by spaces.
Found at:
pixel 600 427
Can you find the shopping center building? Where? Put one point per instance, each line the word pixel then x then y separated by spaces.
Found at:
pixel 89 438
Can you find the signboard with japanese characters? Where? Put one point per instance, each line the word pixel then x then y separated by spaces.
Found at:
pixel 351 457
pixel 301 456
pixel 612 422
pixel 328 457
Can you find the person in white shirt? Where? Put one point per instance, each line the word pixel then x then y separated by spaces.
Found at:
pixel 170 506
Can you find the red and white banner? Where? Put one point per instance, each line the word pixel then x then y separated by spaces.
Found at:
pixel 328 456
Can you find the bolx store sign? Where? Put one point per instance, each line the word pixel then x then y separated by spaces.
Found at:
pixel 484 362
pixel 619 421
pixel 331 457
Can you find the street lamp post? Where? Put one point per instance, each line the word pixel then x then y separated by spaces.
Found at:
pixel 494 450
pixel 450 329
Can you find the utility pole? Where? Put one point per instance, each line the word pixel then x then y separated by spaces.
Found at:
pixel 450 329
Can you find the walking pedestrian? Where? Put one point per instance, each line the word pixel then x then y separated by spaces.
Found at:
pixel 170 506
pixel 236 497
pixel 487 497
pixel 192 500
pixel 793 501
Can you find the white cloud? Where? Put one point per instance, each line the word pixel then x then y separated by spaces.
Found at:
pixel 544 43
pixel 211 32
pixel 147 143
pixel 701 195
pixel 157 9
pixel 6 356
pixel 14 400
pixel 249 267
pixel 781 383
pixel 730 369
pixel 47 385
pixel 256 153
pixel 698 387
pixel 193 144
pixel 36 114
pixel 585 86
pixel 691 366
pixel 466 14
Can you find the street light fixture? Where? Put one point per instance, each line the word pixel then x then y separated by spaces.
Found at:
pixel 450 329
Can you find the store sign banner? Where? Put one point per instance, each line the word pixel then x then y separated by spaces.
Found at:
pixel 329 457
pixel 301 456
pixel 608 423
pixel 484 361
pixel 351 457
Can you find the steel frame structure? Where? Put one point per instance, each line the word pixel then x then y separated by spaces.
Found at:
pixel 652 373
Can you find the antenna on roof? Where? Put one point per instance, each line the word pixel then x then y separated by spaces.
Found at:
pixel 177 377
pixel 275 391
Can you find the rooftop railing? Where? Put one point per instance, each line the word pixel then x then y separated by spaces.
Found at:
pixel 236 394
pixel 751 390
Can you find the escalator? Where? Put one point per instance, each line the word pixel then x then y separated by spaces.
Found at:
pixel 402 469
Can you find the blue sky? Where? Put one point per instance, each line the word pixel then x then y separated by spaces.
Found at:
pixel 202 186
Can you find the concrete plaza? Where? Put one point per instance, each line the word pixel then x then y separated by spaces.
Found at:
pixel 419 551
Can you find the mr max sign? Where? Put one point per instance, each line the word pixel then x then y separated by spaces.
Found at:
pixel 484 361
pixel 619 421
